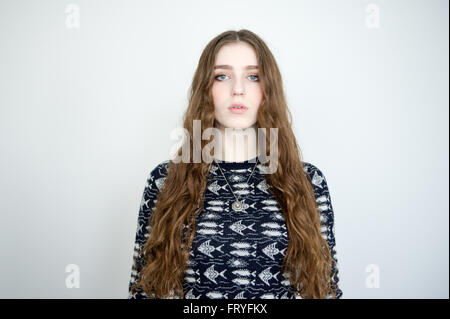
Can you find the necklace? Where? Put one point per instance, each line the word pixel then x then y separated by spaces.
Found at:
pixel 237 205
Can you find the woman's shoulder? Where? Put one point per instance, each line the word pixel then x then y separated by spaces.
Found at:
pixel 315 175
pixel 161 169
pixel 158 174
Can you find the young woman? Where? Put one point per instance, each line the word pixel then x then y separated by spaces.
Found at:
pixel 227 228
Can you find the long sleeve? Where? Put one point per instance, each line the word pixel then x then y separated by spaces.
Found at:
pixel 325 207
pixel 155 180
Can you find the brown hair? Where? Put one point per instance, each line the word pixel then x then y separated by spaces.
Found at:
pixel 308 260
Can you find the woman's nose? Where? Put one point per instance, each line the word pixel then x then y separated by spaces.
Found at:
pixel 237 89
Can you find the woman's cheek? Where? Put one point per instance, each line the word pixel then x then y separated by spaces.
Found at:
pixel 218 92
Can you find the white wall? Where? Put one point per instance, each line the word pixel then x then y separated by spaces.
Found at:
pixel 86 114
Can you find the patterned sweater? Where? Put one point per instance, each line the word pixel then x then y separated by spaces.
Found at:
pixel 236 254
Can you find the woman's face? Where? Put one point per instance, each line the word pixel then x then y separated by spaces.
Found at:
pixel 236 81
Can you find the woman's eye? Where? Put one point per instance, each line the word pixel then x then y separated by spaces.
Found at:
pixel 257 77
pixel 217 77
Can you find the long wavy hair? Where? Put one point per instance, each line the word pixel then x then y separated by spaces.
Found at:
pixel 307 262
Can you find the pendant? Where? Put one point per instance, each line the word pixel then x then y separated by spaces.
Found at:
pixel 237 206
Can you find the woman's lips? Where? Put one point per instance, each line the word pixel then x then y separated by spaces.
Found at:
pixel 236 110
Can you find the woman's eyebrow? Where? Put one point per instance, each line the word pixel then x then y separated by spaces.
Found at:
pixel 226 66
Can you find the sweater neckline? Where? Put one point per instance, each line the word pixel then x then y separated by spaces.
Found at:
pixel 236 165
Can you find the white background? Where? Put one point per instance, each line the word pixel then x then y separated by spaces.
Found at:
pixel 86 113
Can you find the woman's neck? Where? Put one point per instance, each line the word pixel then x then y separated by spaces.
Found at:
pixel 237 145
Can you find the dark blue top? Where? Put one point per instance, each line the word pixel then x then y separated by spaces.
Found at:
pixel 236 254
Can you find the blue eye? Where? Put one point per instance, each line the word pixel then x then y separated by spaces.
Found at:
pixel 256 77
pixel 219 76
